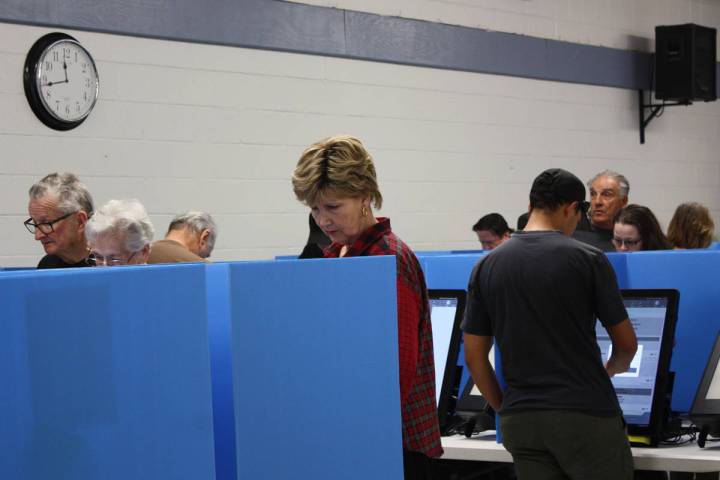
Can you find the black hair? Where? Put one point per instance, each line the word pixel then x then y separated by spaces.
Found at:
pixel 493 222
pixel 554 188
pixel 522 221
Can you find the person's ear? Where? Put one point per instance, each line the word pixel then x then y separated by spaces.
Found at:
pixel 82 218
pixel 203 238
pixel 625 202
pixel 145 253
pixel 569 209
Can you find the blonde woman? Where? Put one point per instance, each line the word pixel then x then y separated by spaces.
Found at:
pixel 691 226
pixel 336 178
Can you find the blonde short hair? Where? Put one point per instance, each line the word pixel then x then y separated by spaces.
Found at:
pixel 339 164
pixel 691 226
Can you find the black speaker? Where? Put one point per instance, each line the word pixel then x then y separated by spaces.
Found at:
pixel 685 63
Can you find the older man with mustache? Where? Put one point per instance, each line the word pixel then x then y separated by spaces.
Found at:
pixel 609 192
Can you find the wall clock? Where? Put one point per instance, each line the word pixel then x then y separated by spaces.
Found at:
pixel 61 81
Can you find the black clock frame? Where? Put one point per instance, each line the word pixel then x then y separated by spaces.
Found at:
pixel 32 93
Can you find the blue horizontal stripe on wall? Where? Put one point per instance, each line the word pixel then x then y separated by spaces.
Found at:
pixel 292 27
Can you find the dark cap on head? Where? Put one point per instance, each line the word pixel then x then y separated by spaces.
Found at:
pixel 555 187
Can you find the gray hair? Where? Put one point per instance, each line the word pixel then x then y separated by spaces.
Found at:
pixel 196 222
pixel 72 195
pixel 126 217
pixel 619 178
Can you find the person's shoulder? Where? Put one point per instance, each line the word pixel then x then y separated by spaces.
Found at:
pixel 48 261
pixel 601 239
pixel 586 254
pixel 559 242
pixel 585 248
pixel 164 242
pixel 395 245
pixel 54 261
pixel 170 251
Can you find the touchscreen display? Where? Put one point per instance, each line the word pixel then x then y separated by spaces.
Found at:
pixel 442 312
pixel 635 388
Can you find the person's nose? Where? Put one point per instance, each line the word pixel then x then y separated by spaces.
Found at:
pixel 622 247
pixel 39 234
pixel 323 220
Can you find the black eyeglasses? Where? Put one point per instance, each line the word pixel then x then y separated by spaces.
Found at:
pixel 44 227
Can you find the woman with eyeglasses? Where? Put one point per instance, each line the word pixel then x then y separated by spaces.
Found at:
pixel 119 233
pixel 636 229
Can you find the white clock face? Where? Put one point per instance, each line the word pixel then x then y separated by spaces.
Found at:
pixel 67 81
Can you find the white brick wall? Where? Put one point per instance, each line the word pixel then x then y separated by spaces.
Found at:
pixel 184 126
pixel 626 24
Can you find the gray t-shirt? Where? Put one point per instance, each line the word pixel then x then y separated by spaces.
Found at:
pixel 539 294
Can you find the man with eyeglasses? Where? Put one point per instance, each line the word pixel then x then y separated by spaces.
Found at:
pixel 609 192
pixel 539 297
pixel 60 206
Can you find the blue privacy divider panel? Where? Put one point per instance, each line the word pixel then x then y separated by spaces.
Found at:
pixel 619 264
pixel 427 253
pixel 105 375
pixel 315 361
pixel 695 275
pixel 218 317
pixel 448 271
pixel 286 257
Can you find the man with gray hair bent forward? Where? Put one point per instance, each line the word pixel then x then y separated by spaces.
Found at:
pixel 60 206
pixel 190 238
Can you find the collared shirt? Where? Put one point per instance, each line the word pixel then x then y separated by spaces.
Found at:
pixel 417 369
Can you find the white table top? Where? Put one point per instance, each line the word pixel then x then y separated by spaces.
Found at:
pixel 685 458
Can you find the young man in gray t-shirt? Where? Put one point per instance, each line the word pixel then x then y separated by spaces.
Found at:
pixel 539 295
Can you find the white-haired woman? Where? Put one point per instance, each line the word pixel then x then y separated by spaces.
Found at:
pixel 120 233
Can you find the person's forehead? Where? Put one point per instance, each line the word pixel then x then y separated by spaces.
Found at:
pixel 605 183
pixel 109 243
pixel 46 205
pixel 332 196
pixel 626 229
pixel 487 234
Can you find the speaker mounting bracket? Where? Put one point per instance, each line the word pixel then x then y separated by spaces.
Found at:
pixel 655 110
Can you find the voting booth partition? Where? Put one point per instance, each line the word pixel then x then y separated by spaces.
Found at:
pixel 452 271
pixel 105 374
pixel 692 272
pixel 223 371
pixel 315 358
pixel 315 355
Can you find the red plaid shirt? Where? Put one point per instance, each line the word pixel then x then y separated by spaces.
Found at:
pixel 417 369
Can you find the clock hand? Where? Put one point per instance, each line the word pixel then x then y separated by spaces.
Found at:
pixel 65 70
pixel 50 84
